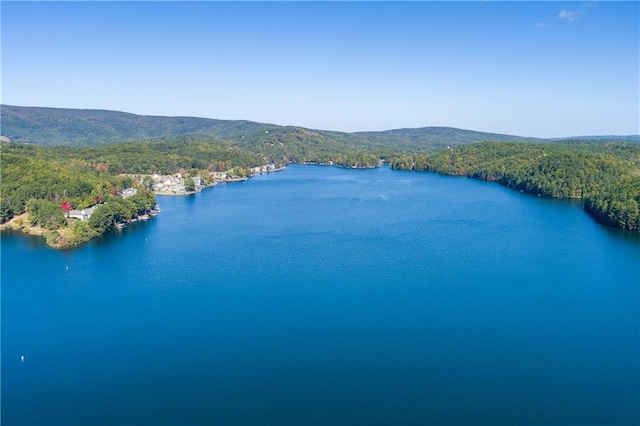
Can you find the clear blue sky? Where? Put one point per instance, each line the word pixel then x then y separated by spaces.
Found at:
pixel 547 69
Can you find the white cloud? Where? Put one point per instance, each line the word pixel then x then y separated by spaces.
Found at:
pixel 541 25
pixel 569 15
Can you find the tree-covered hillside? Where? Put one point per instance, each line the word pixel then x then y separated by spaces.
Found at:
pixel 606 175
pixel 49 186
pixel 76 127
pixel 84 127
pixel 47 181
pixel 80 173
pixel 435 138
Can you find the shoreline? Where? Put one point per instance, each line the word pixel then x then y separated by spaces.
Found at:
pixel 21 223
pixel 218 181
pixel 61 238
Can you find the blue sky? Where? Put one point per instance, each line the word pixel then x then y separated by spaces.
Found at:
pixel 546 69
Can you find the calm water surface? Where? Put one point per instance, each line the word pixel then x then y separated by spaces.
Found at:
pixel 319 295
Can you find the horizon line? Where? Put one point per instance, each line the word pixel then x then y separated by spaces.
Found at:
pixel 608 135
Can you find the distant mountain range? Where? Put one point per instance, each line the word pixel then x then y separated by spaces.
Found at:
pixel 635 138
pixel 84 127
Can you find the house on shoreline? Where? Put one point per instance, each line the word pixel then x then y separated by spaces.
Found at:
pixel 83 214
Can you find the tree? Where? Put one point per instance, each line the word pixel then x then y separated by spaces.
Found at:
pixel 147 182
pixel 144 201
pixel 66 207
pixel 46 214
pixel 103 219
pixel 189 185
pixel 123 209
pixel 238 172
pixel 82 230
pixel 6 212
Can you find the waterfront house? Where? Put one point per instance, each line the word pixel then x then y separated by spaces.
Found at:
pixel 83 214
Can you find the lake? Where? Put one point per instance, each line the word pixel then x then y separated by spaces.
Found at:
pixel 325 296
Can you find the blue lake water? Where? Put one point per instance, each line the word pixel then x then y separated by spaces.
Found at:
pixel 326 296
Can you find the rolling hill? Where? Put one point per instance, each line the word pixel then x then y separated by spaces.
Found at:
pixel 83 127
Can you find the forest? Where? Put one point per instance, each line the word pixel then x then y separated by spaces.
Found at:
pixel 47 182
pixel 85 127
pixel 605 175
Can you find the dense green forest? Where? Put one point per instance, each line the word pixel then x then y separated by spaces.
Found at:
pixel 84 176
pixel 83 127
pixel 75 159
pixel 47 184
pixel 606 175
pixel 78 127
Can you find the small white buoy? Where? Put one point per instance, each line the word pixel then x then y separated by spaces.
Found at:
pixel 22 358
pixel 67 268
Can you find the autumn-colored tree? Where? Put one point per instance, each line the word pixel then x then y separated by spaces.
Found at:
pixel 66 207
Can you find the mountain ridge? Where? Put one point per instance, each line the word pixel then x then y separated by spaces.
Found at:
pixel 50 126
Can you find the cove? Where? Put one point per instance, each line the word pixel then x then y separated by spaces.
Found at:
pixel 319 295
